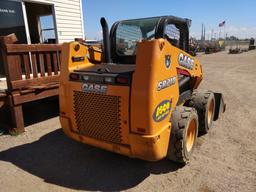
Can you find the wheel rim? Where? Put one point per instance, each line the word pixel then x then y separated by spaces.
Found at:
pixel 210 112
pixel 191 134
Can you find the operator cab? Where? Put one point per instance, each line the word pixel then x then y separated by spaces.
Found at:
pixel 120 45
pixel 125 35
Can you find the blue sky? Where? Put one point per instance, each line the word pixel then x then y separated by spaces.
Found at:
pixel 240 15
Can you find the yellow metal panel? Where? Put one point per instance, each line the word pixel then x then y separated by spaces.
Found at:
pixel 145 109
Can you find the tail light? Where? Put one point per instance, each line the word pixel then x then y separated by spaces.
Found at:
pixel 74 76
pixel 122 79
pixel 113 79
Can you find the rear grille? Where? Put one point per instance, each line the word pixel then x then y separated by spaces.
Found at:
pixel 98 116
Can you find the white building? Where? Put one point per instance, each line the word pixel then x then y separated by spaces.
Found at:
pixel 38 21
pixel 41 21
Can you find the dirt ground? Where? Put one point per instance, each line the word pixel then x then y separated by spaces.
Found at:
pixel 44 159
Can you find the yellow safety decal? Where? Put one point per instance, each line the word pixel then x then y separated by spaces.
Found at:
pixel 162 110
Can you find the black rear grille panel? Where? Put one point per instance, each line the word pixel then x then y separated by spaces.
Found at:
pixel 98 116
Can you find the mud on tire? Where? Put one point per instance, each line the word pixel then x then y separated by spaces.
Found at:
pixel 183 136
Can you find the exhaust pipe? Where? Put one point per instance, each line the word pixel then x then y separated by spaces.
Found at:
pixel 106 40
pixel 184 84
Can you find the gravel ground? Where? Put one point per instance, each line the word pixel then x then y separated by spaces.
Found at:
pixel 44 159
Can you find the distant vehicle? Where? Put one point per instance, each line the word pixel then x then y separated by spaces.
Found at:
pixel 252 44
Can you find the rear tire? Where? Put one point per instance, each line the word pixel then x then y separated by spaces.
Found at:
pixel 204 103
pixel 183 134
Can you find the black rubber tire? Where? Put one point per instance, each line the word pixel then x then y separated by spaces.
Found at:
pixel 201 100
pixel 181 118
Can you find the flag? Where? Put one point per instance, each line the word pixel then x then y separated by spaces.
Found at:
pixel 222 24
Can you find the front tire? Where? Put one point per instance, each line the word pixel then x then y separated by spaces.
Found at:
pixel 183 134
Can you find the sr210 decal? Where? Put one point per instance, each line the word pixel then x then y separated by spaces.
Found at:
pixel 186 61
pixel 166 83
pixel 162 110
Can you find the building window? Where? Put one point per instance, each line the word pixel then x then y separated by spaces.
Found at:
pixel 47 29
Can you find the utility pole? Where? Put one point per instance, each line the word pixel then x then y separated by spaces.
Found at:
pixel 203 33
pixel 211 34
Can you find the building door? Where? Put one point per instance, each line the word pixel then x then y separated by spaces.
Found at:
pixel 41 23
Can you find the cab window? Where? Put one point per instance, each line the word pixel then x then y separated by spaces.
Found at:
pixel 130 32
pixel 172 34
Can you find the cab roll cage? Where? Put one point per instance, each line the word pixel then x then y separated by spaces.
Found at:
pixel 109 41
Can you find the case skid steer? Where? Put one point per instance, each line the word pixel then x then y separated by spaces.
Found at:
pixel 138 95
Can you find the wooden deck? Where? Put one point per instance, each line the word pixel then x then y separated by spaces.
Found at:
pixel 32 73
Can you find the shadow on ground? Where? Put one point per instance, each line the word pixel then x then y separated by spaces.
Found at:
pixel 40 110
pixel 61 161
pixel 33 112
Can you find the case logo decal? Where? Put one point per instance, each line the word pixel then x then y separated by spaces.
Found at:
pixel 162 110
pixel 94 88
pixel 186 61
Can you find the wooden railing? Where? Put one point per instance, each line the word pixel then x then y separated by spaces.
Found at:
pixel 30 65
pixel 32 73
pixel 2 98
